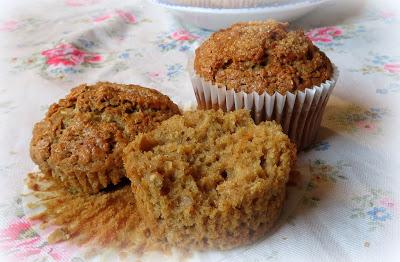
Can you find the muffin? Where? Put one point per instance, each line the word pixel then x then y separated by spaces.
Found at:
pixel 224 3
pixel 209 179
pixel 81 139
pixel 275 73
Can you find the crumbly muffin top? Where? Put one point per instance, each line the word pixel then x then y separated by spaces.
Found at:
pixel 209 177
pixel 84 134
pixel 262 57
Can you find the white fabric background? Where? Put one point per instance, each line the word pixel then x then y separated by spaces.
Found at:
pixel 358 157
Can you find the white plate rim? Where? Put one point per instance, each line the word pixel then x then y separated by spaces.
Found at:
pixel 260 9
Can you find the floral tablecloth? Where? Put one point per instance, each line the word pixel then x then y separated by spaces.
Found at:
pixel 350 209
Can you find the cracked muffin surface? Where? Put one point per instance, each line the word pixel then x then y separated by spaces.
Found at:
pixel 262 57
pixel 81 139
pixel 209 179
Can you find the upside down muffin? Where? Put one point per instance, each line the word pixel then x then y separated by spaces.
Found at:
pixel 81 139
pixel 263 57
pixel 208 179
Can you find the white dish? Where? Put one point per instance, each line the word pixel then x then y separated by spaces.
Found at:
pixel 218 18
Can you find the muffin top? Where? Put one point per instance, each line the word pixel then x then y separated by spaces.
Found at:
pixel 85 133
pixel 209 177
pixel 262 57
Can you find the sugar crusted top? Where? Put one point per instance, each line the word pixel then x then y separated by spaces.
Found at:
pixel 84 133
pixel 263 57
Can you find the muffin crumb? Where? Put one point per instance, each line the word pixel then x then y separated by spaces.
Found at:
pixel 209 179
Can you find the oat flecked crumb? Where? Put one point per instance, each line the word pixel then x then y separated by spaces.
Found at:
pixel 209 179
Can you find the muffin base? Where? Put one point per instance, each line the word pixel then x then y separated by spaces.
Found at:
pixel 209 179
pixel 88 183
pixel 218 237
pixel 299 113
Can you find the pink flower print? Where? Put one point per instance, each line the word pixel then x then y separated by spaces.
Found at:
pixel 366 125
pixel 19 234
pixel 387 202
pixel 81 2
pixel 388 14
pixel 16 228
pixel 155 75
pixel 27 252
pixel 324 34
pixel 128 17
pixel 183 35
pixel 93 58
pixel 68 55
pixel 9 26
pixel 22 241
pixel 392 68
pixel 102 18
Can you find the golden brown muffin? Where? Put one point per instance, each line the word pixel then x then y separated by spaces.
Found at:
pixel 262 57
pixel 80 141
pixel 209 179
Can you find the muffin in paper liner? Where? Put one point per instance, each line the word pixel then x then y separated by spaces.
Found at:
pixel 299 113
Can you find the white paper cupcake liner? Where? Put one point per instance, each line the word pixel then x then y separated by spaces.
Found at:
pixel 299 113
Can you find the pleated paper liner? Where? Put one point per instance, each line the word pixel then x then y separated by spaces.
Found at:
pixel 299 113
